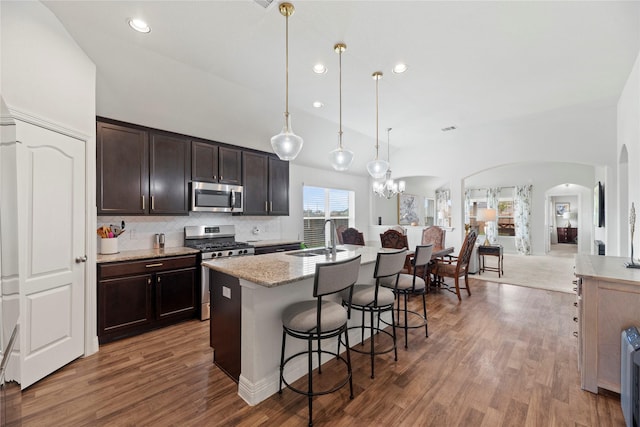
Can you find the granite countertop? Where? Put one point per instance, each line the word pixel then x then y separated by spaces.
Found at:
pixel 607 268
pixel 145 253
pixel 273 242
pixel 271 270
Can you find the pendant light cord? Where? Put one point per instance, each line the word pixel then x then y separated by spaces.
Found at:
pixel 388 145
pixel 340 95
pixel 286 49
pixel 377 140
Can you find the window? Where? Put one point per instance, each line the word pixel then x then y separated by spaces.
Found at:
pixel 321 204
pixel 506 224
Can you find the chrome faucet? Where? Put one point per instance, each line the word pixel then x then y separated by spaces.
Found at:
pixel 333 232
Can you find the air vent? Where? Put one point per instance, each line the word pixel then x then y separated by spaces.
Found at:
pixel 264 3
pixel 449 128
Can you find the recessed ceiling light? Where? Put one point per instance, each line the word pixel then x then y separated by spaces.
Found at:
pixel 319 69
pixel 139 25
pixel 400 68
pixel 318 104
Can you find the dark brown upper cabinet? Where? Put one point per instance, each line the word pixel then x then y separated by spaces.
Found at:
pixel 141 172
pixel 266 184
pixel 169 171
pixel 122 172
pixel 214 163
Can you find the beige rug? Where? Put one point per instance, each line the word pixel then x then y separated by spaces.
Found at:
pixel 553 272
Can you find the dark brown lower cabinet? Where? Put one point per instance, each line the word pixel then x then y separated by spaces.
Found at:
pixel 137 296
pixel 225 323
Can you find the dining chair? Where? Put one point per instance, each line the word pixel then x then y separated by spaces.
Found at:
pixel 377 300
pixel 434 235
pixel 407 285
pixel 339 230
pixel 320 319
pixel 456 266
pixel 393 239
pixel 351 236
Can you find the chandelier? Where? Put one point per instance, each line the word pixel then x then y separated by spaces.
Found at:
pixel 340 157
pixel 387 187
pixel 287 144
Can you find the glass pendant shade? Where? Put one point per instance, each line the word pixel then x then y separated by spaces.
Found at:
pixel 377 168
pixel 341 159
pixel 286 144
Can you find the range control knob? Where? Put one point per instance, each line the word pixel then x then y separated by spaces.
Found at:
pixel 230 253
pixel 219 253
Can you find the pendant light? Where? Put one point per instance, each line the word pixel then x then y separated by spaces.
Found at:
pixel 388 188
pixel 340 158
pixel 377 168
pixel 286 144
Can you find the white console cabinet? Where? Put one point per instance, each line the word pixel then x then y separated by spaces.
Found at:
pixel 608 303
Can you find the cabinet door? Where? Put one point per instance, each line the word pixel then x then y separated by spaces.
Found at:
pixel 124 306
pixel 278 187
pixel 204 162
pixel 226 321
pixel 122 173
pixel 169 172
pixel 230 166
pixel 176 294
pixel 255 182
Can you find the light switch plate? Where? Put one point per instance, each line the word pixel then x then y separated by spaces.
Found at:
pixel 226 292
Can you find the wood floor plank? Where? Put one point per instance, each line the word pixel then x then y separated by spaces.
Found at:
pixel 504 356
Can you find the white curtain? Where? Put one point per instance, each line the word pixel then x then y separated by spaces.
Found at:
pixel 442 206
pixel 467 206
pixel 493 194
pixel 522 215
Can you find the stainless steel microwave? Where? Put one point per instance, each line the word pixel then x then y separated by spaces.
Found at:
pixel 210 197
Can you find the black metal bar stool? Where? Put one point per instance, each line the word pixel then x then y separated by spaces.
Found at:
pixel 377 300
pixel 412 284
pixel 317 320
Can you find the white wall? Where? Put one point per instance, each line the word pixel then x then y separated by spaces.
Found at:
pixel 46 77
pixel 629 137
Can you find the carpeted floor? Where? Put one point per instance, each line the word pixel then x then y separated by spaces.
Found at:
pixel 552 272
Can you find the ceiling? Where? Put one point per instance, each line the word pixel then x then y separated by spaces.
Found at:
pixel 215 69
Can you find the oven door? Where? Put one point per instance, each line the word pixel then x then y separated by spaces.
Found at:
pixel 209 197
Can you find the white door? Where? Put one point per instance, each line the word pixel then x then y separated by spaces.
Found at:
pixel 51 203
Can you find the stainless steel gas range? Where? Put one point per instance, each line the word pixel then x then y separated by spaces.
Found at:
pixel 213 241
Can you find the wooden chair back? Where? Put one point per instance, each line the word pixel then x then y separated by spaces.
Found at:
pixel 465 252
pixel 352 236
pixel 434 235
pixel 393 239
pixel 339 231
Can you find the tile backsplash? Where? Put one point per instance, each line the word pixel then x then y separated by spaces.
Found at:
pixel 140 230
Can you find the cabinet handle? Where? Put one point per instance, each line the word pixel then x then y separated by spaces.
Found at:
pixel 575 319
pixel 575 282
pixel 575 289
pixel 158 279
pixel 575 334
pixel 575 304
pixel 153 203
pixel 270 206
pixel 266 206
pixel 158 264
pixel 221 178
pixel 142 202
pixel 148 281
pixel 81 259
pixel 215 177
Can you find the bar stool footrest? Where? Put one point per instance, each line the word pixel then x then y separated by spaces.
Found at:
pixel 344 382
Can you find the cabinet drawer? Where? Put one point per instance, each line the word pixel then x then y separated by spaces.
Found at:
pixel 126 268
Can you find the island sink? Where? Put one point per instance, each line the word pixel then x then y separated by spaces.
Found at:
pixel 313 252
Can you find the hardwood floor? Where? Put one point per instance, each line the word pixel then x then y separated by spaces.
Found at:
pixel 504 356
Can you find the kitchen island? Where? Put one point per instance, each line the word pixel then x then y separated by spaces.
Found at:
pixel 253 291
pixel 608 303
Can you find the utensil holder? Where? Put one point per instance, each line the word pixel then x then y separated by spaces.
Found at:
pixel 109 246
